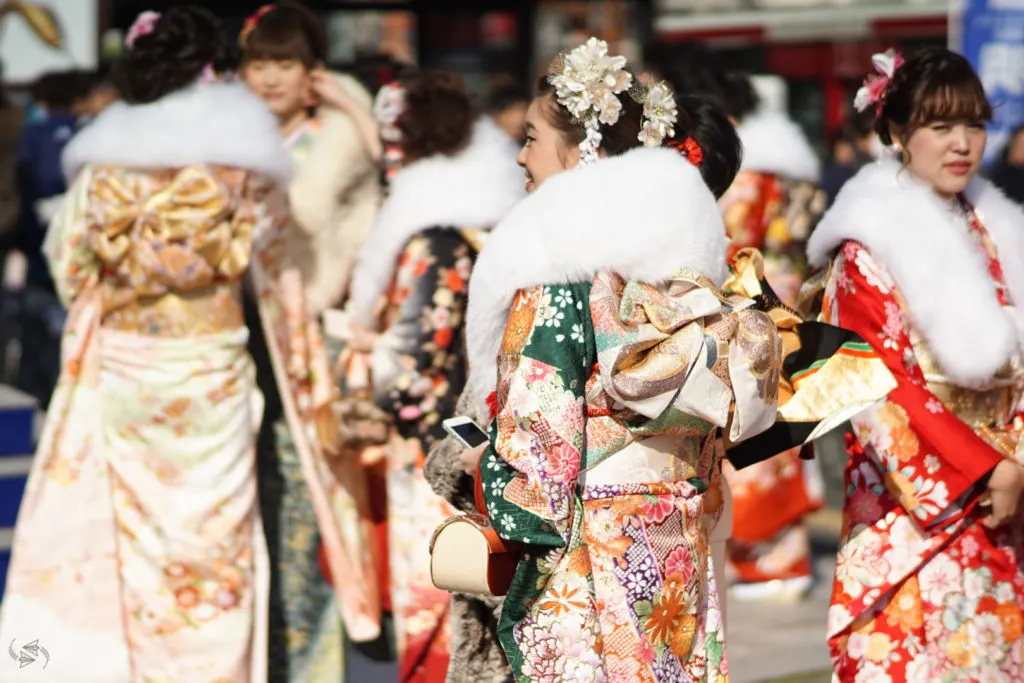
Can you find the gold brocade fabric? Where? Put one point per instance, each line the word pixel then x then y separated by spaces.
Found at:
pixel 170 247
pixel 989 407
pixel 207 311
pixel 846 383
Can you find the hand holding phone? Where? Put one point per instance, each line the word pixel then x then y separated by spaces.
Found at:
pixel 465 431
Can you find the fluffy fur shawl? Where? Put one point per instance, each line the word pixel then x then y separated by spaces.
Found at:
pixel 472 189
pixel 221 124
pixel 773 143
pixel 643 215
pixel 920 239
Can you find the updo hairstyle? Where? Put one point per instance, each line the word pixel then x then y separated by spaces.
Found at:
pixel 438 115
pixel 184 40
pixel 709 126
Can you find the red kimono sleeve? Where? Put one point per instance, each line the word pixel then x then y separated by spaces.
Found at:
pixel 929 457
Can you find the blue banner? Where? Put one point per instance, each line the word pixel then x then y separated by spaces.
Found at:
pixel 992 38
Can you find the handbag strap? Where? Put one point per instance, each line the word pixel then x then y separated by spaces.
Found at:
pixel 478 489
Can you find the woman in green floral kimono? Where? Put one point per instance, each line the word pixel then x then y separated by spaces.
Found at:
pixel 596 312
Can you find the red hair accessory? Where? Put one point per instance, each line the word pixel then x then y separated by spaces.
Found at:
pixel 251 23
pixel 690 149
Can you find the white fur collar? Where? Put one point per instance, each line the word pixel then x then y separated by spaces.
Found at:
pixel 643 215
pixel 218 123
pixel 925 247
pixel 773 143
pixel 473 189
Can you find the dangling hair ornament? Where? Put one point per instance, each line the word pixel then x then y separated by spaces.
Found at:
pixel 588 82
pixel 690 149
pixel 876 85
pixel 144 24
pixel 387 107
pixel 251 23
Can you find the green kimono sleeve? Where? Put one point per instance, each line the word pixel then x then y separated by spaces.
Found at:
pixel 538 437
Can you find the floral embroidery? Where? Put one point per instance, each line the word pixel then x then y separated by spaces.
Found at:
pixel 914 599
pixel 595 597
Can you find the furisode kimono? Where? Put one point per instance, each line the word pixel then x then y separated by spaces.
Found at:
pixel 612 363
pixel 773 205
pixel 139 553
pixel 411 286
pixel 923 592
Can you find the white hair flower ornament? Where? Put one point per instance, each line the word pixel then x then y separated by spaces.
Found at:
pixel 387 107
pixel 660 116
pixel 875 86
pixel 588 81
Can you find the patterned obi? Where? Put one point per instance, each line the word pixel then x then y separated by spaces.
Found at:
pixel 211 310
pixel 990 407
pixel 662 458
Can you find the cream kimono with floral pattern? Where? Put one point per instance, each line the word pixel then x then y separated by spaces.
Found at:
pixel 139 553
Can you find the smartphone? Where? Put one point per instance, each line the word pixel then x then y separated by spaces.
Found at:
pixel 468 433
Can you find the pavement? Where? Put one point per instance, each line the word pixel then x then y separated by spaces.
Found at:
pixel 782 643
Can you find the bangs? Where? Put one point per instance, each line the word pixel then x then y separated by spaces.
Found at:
pixel 959 100
pixel 284 35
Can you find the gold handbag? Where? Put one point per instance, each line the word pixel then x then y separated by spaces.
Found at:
pixel 468 556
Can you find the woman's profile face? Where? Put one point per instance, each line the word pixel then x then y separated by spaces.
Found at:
pixel 285 85
pixel 545 152
pixel 946 154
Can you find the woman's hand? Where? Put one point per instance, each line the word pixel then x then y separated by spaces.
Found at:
pixel 361 339
pixel 1004 490
pixel 471 459
pixel 335 95
pixel 331 92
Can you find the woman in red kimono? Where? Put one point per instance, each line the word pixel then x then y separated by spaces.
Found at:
pixel 926 265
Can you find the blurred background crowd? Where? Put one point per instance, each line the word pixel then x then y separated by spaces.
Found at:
pixel 808 57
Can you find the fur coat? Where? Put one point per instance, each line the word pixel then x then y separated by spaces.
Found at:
pixel 476 654
pixel 334 197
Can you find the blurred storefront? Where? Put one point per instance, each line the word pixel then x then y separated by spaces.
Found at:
pixel 822 48
pixel 485 40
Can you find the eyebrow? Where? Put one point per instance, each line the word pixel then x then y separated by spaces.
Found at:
pixel 529 127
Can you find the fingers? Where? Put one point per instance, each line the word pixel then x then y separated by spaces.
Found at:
pixel 994 522
pixel 997 516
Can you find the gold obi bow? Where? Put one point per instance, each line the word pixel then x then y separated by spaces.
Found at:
pixel 829 374
pixel 189 235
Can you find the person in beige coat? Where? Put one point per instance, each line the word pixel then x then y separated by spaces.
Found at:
pixel 326 125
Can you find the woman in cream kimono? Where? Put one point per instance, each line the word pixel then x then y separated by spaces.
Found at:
pixel 612 362
pixel 333 199
pixel 926 263
pixel 139 552
pixel 408 303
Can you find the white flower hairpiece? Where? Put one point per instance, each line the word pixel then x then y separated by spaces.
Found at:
pixel 589 84
pixel 387 107
pixel 660 116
